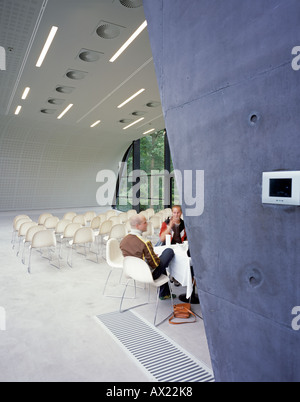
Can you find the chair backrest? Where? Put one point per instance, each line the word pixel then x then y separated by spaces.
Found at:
pixel 131 213
pixel 114 256
pixel 79 219
pixel 118 231
pixel 150 230
pixel 84 235
pixel 96 222
pixel 51 222
pixel 102 217
pixel 25 227
pixel 20 222
pixel 123 217
pixel 61 225
pixel 43 217
pixel 110 213
pixel 89 216
pixel 32 231
pixel 105 227
pixel 156 221
pixel 44 238
pixel 71 229
pixel 145 213
pixel 115 220
pixel 18 217
pixel 137 269
pixel 69 216
pixel 150 212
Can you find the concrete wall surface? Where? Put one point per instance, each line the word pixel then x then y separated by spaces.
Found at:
pixel 231 99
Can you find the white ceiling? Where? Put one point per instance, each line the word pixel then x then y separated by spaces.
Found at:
pixel 24 27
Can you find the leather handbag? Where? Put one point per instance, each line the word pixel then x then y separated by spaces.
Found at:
pixel 182 311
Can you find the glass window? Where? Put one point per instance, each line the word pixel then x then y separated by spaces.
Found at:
pixel 154 186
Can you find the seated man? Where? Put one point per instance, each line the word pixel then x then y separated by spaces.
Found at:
pixel 133 245
pixel 173 226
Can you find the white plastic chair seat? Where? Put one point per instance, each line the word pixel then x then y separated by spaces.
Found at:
pixel 82 236
pixel 42 239
pixel 114 259
pixel 138 270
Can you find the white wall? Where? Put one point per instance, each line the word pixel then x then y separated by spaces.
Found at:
pixel 45 168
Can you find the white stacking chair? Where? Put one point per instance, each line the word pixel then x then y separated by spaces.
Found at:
pixel 79 219
pixel 69 216
pixel 138 270
pixel 82 236
pixel 131 213
pixel 41 240
pixel 115 220
pixel 29 236
pixel 60 227
pixel 16 218
pixel 51 222
pixel 68 234
pixel 43 217
pixel 22 232
pixel 123 217
pixel 89 216
pixel 149 234
pixel 111 213
pixel 104 231
pixel 16 227
pixel 114 259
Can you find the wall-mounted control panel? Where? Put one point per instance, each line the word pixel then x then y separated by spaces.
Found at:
pixel 281 188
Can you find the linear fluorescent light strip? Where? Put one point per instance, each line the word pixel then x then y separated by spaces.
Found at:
pixel 25 93
pixel 149 131
pixel 131 98
pixel 65 111
pixel 96 124
pixel 18 110
pixel 47 46
pixel 135 122
pixel 128 43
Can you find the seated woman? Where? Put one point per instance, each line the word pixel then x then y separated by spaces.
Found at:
pixel 173 226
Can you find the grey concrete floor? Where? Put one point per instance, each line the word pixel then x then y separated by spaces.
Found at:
pixel 51 332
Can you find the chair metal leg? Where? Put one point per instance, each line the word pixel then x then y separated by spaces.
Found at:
pixel 29 263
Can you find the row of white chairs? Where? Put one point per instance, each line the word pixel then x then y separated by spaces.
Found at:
pixel 101 228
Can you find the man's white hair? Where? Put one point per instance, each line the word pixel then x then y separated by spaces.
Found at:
pixel 136 220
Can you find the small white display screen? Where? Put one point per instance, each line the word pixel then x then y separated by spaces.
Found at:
pixel 281 188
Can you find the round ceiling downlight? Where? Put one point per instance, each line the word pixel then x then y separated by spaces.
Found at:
pixel 138 113
pixel 153 104
pixel 131 3
pixel 54 101
pixel 108 31
pixel 126 121
pixel 89 56
pixel 64 90
pixel 76 75
pixel 48 111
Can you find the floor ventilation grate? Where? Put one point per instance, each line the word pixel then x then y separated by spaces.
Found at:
pixel 162 358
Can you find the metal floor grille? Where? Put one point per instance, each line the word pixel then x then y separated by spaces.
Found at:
pixel 163 359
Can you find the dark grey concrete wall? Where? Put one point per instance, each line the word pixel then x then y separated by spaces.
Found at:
pixel 218 63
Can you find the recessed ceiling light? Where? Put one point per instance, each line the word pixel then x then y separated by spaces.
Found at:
pixel 25 93
pixel 129 41
pixel 65 111
pixel 149 131
pixel 135 122
pixel 131 98
pixel 47 46
pixel 76 75
pixel 96 123
pixel 18 110
pixel 131 3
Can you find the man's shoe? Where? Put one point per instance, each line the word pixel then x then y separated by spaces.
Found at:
pixel 167 297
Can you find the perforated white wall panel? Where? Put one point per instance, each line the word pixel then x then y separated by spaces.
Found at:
pixel 48 171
